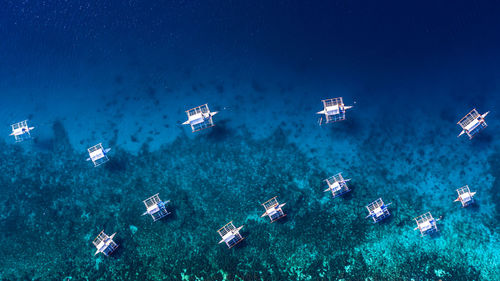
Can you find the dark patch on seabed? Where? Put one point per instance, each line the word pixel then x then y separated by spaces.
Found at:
pixel 54 204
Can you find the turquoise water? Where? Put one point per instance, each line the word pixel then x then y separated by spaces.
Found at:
pixel 123 73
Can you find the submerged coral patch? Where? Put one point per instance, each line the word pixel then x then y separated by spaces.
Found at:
pixel 62 202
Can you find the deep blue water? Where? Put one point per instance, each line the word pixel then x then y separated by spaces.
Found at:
pixel 123 73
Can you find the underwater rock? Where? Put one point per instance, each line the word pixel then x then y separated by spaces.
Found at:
pixel 61 139
pixel 133 229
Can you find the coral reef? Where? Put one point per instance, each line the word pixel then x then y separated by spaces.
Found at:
pixel 54 203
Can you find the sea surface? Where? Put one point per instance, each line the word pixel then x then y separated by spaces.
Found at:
pixel 123 73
